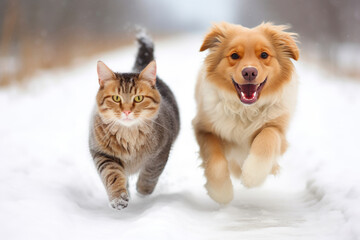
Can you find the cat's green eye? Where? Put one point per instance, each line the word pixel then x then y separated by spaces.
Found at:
pixel 139 98
pixel 116 98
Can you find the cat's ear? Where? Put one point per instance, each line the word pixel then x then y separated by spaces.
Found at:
pixel 149 73
pixel 104 73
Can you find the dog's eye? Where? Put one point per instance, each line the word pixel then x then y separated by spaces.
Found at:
pixel 235 56
pixel 264 55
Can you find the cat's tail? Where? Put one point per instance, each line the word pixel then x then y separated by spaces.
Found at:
pixel 145 52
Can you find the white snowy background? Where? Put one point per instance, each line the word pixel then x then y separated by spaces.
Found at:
pixel 49 188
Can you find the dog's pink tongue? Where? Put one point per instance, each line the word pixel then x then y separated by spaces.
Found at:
pixel 249 90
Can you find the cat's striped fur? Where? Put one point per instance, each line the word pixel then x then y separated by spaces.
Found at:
pixel 120 148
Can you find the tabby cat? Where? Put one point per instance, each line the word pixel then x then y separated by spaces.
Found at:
pixel 133 126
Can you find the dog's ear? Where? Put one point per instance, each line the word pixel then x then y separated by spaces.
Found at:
pixel 214 37
pixel 284 41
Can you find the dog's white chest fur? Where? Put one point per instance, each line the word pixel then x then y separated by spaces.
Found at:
pixel 235 122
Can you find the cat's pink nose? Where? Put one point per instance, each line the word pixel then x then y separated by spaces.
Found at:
pixel 127 112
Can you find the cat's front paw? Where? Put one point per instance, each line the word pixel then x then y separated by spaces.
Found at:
pixel 120 202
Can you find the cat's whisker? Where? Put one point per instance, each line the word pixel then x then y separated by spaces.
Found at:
pixel 101 124
pixel 145 123
pixel 157 124
pixel 108 130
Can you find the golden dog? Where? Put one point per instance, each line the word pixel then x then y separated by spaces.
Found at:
pixel 245 97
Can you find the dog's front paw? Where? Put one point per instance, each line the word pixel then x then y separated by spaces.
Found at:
pixel 255 171
pixel 220 192
pixel 219 185
pixel 120 202
pixel 275 169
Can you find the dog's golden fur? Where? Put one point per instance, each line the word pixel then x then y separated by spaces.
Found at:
pixel 236 138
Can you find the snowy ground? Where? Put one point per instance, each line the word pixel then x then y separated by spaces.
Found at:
pixel 49 188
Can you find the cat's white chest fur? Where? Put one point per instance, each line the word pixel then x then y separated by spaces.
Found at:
pixel 132 141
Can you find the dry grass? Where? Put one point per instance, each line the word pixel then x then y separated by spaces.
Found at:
pixel 26 47
pixel 35 55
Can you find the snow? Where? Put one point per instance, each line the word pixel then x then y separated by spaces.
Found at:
pixel 49 188
pixel 347 57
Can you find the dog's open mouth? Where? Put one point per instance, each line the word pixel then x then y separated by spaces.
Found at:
pixel 249 93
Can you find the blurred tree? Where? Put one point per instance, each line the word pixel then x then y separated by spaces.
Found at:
pixel 10 13
pixel 49 33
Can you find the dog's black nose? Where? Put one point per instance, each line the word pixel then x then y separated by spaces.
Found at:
pixel 249 73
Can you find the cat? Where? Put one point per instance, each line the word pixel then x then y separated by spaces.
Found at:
pixel 133 126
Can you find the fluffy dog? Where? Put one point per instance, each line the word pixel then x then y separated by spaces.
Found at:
pixel 245 97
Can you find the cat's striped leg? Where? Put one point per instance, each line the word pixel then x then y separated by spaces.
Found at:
pixel 150 174
pixel 113 175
